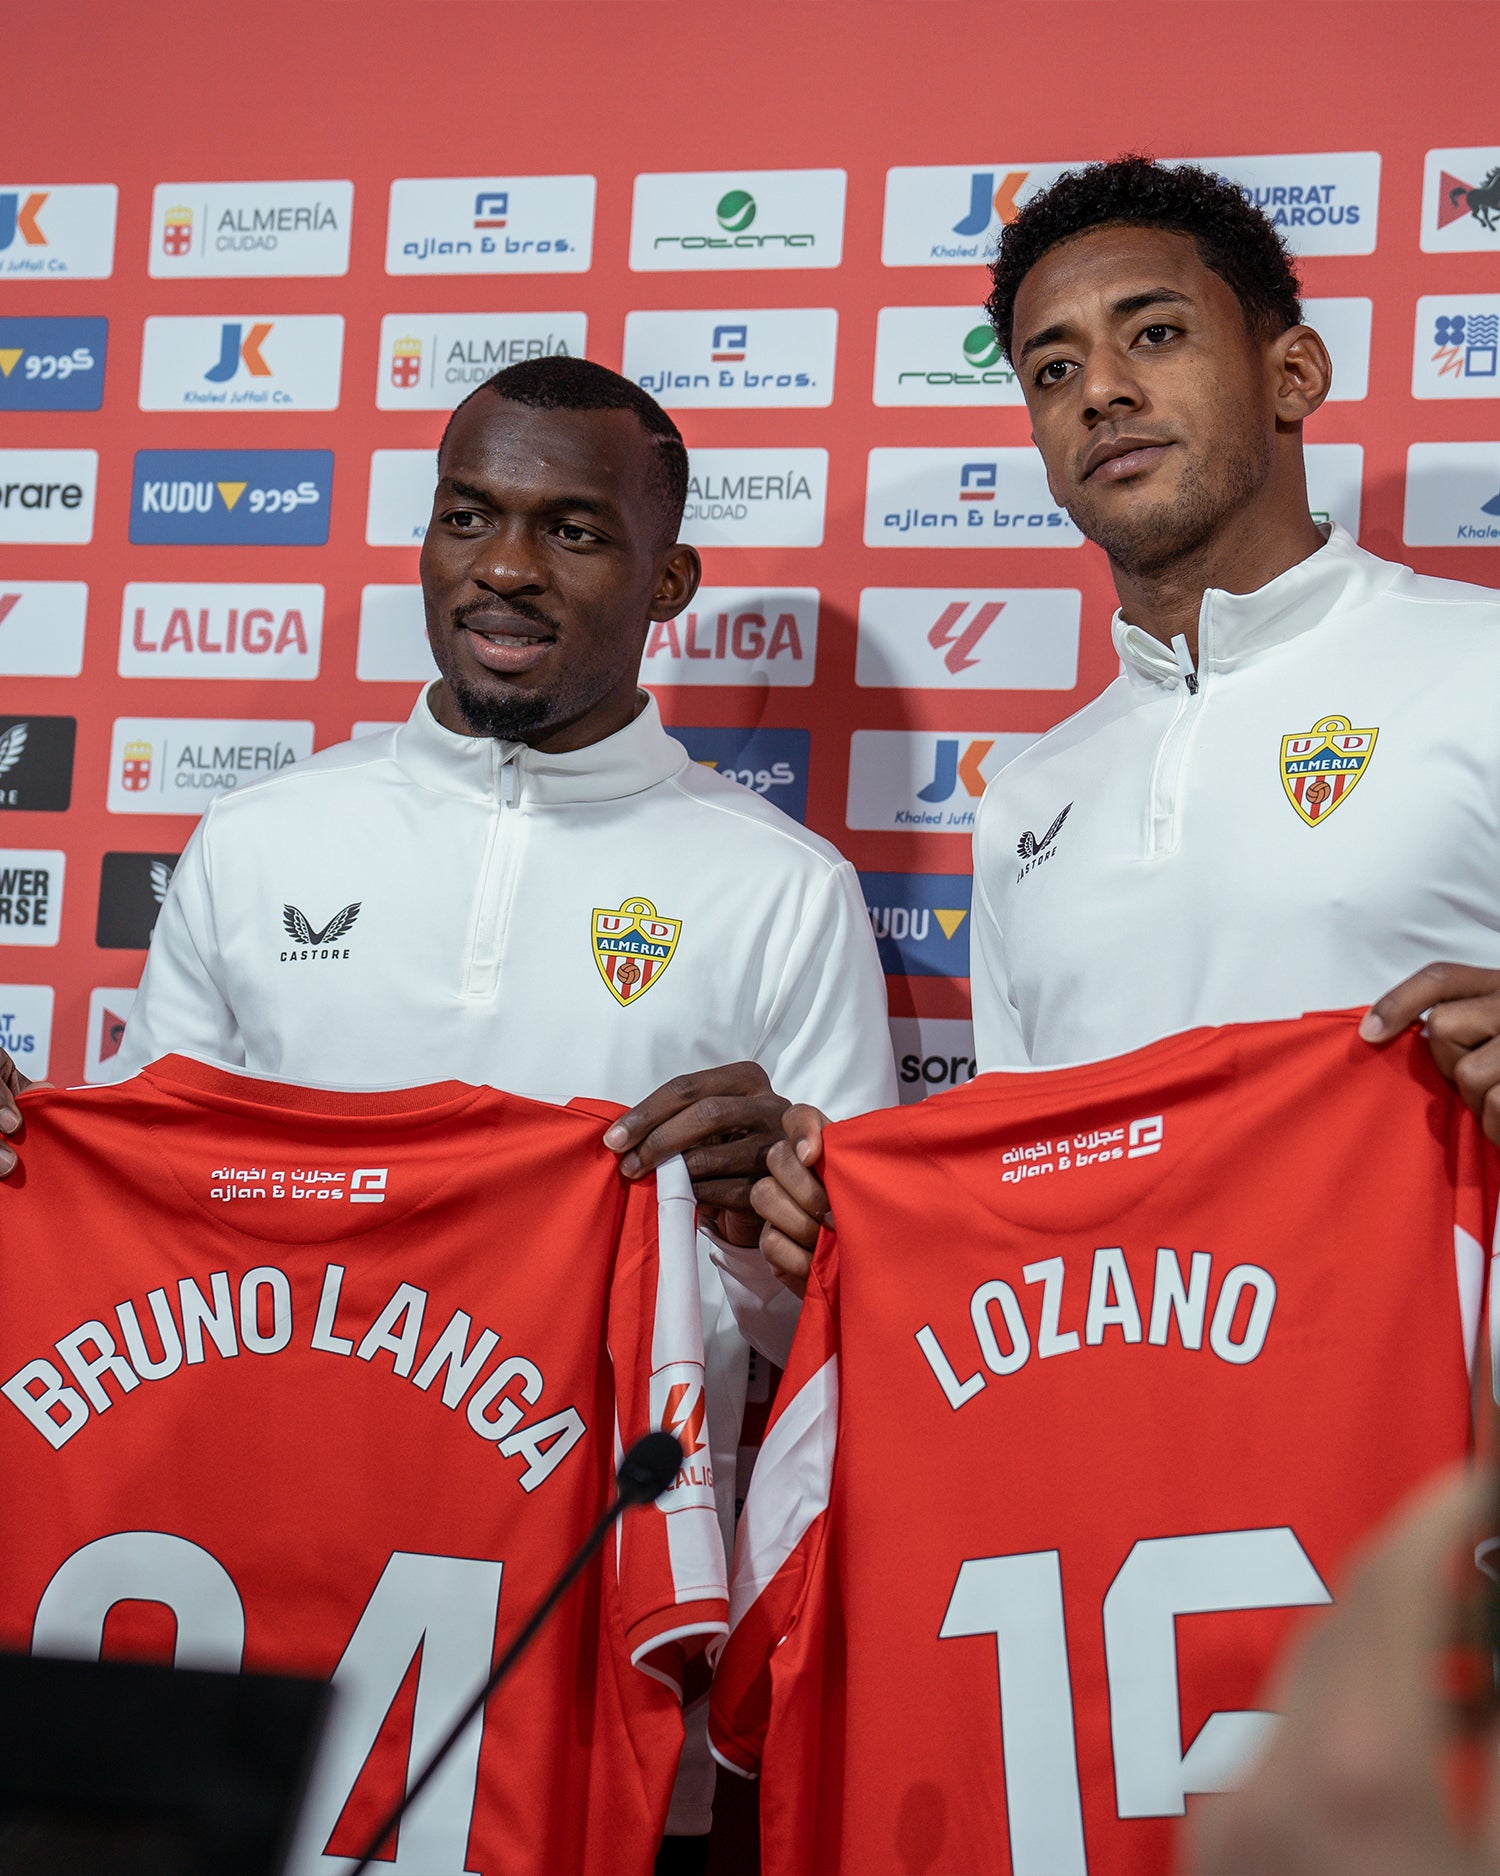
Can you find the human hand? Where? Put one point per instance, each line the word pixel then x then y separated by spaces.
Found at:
pixel 723 1121
pixel 12 1083
pixel 792 1199
pixel 1354 1781
pixel 1463 1029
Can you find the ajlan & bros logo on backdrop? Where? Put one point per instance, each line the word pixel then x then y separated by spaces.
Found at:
pixel 236 230
pixel 490 225
pixel 708 220
pixel 177 765
pixel 429 361
pixel 780 357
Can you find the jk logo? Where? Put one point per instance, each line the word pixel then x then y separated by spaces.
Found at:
pixel 957 763
pixel 986 200
pixel 235 349
pixel 16 215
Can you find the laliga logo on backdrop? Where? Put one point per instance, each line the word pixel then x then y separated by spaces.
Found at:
pixel 960 644
pixel 985 199
pixel 17 217
pixel 234 351
pixel 406 363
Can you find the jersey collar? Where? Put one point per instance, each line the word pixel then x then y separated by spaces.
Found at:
pixel 1233 627
pixel 634 758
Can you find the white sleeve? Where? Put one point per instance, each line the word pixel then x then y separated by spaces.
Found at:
pixel 828 1044
pixel 998 1042
pixel 180 1003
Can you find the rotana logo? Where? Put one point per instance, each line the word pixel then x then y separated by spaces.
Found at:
pixel 981 348
pixel 736 210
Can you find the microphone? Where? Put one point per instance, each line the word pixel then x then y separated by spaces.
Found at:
pixel 645 1473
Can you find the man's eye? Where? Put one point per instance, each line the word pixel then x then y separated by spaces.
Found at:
pixel 462 518
pixel 572 531
pixel 1054 371
pixel 1159 335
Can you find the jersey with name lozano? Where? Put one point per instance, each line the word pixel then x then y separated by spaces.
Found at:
pixel 1103 1375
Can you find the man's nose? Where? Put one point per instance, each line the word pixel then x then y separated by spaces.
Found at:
pixel 509 559
pixel 1108 387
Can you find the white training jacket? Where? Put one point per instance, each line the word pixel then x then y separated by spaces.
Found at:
pixel 1146 867
pixel 453 885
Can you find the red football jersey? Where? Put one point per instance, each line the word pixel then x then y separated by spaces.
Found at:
pixel 334 1384
pixel 1100 1378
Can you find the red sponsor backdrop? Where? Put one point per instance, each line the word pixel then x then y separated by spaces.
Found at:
pixel 611 88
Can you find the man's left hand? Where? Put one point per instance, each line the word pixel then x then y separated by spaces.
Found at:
pixel 723 1121
pixel 1463 1028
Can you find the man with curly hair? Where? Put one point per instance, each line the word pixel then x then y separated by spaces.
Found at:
pixel 1289 799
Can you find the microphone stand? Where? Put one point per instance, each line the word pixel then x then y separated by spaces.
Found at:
pixel 645 1473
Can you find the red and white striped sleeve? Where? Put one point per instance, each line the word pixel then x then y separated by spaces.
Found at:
pixel 776 1585
pixel 669 1557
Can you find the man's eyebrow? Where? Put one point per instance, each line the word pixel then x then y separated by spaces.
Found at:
pixel 572 504
pixel 1121 309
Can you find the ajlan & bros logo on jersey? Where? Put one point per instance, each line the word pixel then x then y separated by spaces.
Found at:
pixel 756 497
pixel 962 498
pixel 57 231
pixel 708 220
pixel 234 230
pixel 779 357
pixel 210 629
pixel 740 636
pixel 242 361
pixel 232 497
pixel 490 225
pixel 428 361
pixel 47 495
pixel 177 765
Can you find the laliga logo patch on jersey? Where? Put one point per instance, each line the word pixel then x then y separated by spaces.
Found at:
pixel 1321 767
pixel 632 947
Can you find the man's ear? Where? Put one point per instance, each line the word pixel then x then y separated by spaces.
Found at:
pixel 678 575
pixel 1302 373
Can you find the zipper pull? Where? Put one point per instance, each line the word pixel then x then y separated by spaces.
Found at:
pixel 1185 664
pixel 508 783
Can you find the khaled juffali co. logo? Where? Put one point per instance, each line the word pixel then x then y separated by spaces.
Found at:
pixel 633 945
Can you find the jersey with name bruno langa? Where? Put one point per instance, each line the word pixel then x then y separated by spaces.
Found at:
pixel 334 1384
pixel 1100 1379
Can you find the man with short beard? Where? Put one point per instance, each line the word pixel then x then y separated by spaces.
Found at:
pixel 1289 799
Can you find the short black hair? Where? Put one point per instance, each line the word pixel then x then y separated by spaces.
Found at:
pixel 1233 238
pixel 562 382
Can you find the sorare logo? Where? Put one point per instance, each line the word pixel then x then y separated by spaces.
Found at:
pixel 247 361
pixel 231 497
pixel 47 495
pixel 713 220
pixel 770 358
pixel 490 225
pixel 920 922
pixel 52 231
pixel 52 364
pixel 770 762
pixel 932 1053
pixel 1457 347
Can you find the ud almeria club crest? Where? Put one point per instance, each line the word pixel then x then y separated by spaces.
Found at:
pixel 632 947
pixel 1321 767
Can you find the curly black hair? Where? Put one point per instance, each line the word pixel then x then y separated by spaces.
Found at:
pixel 562 382
pixel 1233 238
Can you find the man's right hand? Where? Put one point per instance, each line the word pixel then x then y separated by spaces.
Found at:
pixel 12 1083
pixel 791 1199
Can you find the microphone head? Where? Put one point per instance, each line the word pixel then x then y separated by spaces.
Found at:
pixel 649 1468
